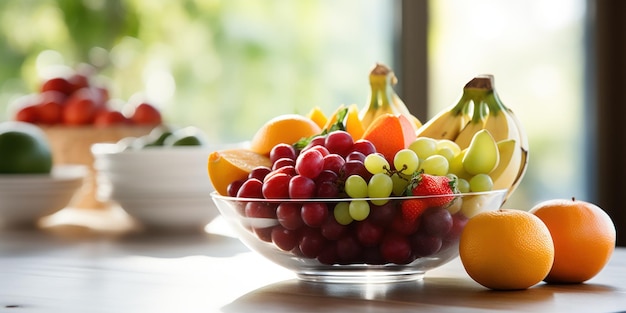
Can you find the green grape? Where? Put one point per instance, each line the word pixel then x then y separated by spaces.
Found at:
pixel 380 186
pixel 482 155
pixel 342 213
pixel 376 163
pixel 359 209
pixel 463 185
pixel 400 182
pixel 481 182
pixel 406 161
pixel 446 153
pixel 356 186
pixel 435 165
pixel 424 147
pixel 449 144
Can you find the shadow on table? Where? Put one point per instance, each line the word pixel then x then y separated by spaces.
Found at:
pixel 432 293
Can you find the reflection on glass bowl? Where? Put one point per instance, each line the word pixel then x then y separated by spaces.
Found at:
pixel 383 247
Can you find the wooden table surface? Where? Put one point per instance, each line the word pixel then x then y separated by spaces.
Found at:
pixel 66 269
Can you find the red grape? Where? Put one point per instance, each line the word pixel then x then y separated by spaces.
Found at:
pixel 314 213
pixel 425 245
pixel 288 214
pixel 368 233
pixel 259 172
pixel 282 150
pixel 395 248
pixel 310 163
pixel 331 229
pixel 355 156
pixel 312 243
pixel 364 146
pixel 251 188
pixel 355 168
pixel 301 187
pixel 436 221
pixel 282 162
pixel 333 162
pixel 233 187
pixel 283 238
pixel 339 142
pixel 276 186
pixel 327 190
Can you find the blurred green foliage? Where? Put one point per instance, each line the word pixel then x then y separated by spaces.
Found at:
pixel 225 66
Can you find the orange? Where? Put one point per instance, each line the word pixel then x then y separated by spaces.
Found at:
pixel 317 116
pixel 353 123
pixel 227 166
pixel 286 128
pixel 390 133
pixel 506 249
pixel 584 238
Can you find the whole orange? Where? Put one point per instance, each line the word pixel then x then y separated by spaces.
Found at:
pixel 506 249
pixel 583 235
pixel 286 128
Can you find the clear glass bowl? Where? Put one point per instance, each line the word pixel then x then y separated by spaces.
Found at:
pixel 383 247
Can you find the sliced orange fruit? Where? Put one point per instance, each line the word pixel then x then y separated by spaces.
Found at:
pixel 227 166
pixel 317 116
pixel 354 125
pixel 390 133
pixel 286 128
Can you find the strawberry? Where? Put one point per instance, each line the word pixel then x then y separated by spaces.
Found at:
pixel 412 209
pixel 422 184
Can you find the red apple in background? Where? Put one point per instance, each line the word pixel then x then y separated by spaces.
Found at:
pixel 146 114
pixel 50 110
pixel 59 84
pixel 80 108
pixel 106 118
pixel 28 114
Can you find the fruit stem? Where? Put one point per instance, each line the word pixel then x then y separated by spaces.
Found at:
pixel 477 96
pixel 381 81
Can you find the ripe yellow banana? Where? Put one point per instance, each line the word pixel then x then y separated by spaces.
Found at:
pixel 504 125
pixel 476 124
pixel 448 123
pixel 506 173
pixel 383 99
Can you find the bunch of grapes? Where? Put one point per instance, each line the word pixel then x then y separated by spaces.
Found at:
pixel 361 224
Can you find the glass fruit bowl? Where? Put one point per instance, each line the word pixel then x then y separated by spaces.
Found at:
pixel 312 238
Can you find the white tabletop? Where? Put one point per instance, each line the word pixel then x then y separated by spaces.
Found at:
pixel 70 269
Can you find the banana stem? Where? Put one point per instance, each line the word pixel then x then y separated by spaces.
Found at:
pixel 381 82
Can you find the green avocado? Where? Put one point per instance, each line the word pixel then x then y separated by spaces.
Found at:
pixel 24 149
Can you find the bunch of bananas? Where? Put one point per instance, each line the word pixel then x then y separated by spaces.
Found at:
pixel 383 99
pixel 480 110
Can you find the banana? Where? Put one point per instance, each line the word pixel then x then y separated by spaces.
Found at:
pixel 448 123
pixel 523 148
pixel 476 124
pixel 504 125
pixel 383 99
pixel 506 173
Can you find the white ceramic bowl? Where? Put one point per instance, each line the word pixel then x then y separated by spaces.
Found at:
pixel 24 199
pixel 190 213
pixel 161 187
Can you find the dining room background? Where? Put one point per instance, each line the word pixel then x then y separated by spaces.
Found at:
pixel 229 66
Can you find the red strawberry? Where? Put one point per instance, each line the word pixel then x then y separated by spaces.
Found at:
pixel 423 184
pixel 412 209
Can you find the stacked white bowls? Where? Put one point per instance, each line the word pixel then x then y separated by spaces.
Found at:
pixel 161 187
pixel 25 198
